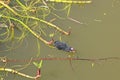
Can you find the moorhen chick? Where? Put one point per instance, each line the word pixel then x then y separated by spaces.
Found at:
pixel 63 46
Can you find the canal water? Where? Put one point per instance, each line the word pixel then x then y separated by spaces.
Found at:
pixel 96 35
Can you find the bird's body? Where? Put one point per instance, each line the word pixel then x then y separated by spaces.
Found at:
pixel 63 46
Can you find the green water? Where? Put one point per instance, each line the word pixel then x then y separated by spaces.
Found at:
pixel 96 37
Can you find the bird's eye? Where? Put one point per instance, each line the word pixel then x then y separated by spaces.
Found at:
pixel 72 49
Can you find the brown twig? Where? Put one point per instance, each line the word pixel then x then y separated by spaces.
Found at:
pixel 58 58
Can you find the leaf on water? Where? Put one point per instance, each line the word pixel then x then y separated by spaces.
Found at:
pixel 1 78
pixel 51 46
pixel 38 65
pixel 60 38
pixel 3 25
pixel 51 35
pixel 92 64
pixel 104 14
pixel 0 16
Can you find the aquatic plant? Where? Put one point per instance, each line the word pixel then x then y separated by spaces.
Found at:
pixel 19 18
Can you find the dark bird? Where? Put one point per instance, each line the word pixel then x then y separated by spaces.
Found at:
pixel 63 46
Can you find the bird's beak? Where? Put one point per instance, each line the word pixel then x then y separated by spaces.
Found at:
pixel 73 50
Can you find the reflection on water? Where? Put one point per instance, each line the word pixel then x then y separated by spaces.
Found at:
pixel 97 37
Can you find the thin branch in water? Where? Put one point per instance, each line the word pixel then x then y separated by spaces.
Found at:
pixel 74 20
pixel 59 58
